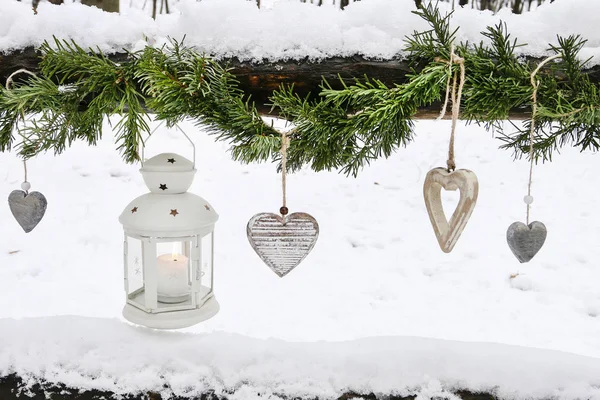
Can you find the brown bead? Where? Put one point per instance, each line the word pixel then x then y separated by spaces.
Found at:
pixel 283 210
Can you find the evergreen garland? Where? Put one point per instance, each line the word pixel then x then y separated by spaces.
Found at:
pixel 343 129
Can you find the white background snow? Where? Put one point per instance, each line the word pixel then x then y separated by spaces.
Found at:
pixel 376 306
pixel 375 272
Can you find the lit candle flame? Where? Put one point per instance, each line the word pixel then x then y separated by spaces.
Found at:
pixel 175 254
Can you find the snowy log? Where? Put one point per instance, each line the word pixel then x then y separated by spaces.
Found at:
pixel 11 384
pixel 260 79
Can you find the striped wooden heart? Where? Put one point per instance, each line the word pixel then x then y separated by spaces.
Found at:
pixel 282 242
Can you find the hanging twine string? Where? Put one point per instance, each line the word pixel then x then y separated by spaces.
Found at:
pixel 9 80
pixel 448 86
pixel 285 142
pixel 9 83
pixel 453 92
pixel 535 84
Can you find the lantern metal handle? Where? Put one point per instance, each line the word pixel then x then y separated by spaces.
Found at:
pixel 143 144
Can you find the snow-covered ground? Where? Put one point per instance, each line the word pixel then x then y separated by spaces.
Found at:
pixel 124 359
pixel 287 29
pixel 375 307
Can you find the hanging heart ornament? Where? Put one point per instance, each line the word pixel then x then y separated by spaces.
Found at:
pixel 27 208
pixel 448 232
pixel 526 240
pixel 282 242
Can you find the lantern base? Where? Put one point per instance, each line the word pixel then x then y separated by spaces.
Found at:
pixel 172 319
pixel 173 299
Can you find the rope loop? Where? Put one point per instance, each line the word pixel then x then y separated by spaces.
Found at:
pixel 534 107
pixel 454 88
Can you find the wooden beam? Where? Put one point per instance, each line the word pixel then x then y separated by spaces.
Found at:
pixel 106 5
pixel 260 79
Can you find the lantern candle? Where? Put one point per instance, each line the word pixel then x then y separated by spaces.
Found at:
pixel 172 273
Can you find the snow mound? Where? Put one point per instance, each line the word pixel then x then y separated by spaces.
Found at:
pixel 106 354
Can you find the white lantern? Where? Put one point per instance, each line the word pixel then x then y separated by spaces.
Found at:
pixel 168 248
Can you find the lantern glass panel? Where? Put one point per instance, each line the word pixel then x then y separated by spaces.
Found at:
pixel 173 271
pixel 134 267
pixel 206 265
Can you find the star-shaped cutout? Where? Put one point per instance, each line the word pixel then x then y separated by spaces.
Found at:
pixel 134 210
pixel 171 160
pixel 207 207
pixel 162 186
pixel 137 271
pixel 174 212
pixel 136 260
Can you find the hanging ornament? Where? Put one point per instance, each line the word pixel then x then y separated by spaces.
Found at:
pixel 282 241
pixel 525 240
pixel 448 232
pixel 28 208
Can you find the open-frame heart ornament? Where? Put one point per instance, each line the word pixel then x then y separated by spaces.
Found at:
pixel 282 242
pixel 448 232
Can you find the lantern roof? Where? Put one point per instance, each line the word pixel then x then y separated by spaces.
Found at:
pixel 157 215
pixel 167 162
pixel 168 173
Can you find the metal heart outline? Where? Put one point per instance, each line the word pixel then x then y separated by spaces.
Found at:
pixel 27 208
pixel 448 233
pixel 285 228
pixel 525 241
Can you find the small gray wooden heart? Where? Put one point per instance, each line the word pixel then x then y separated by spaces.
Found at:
pixel 525 241
pixel 282 242
pixel 28 209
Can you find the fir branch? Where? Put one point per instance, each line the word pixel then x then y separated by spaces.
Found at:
pixel 436 42
pixel 342 129
pixel 106 87
pixel 320 136
pixel 497 81
pixel 8 124
pixel 181 84
pixel 175 82
pixel 568 109
pixel 348 128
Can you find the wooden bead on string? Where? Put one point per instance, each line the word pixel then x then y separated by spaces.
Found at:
pixel 526 239
pixel 28 208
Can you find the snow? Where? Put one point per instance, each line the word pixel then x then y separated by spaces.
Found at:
pixel 226 28
pixel 376 306
pixel 73 349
